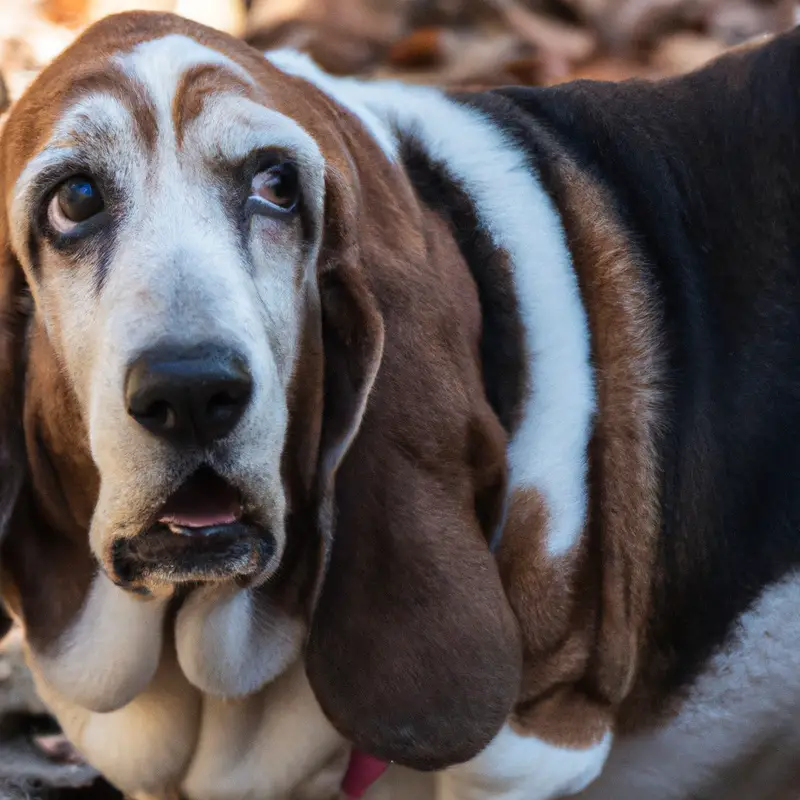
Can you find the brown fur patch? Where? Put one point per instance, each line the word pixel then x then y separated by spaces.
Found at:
pixel 196 85
pixel 584 615
pixel 623 316
pixel 565 717
pixel 553 601
pixel 47 564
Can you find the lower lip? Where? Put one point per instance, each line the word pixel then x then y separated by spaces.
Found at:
pixel 171 554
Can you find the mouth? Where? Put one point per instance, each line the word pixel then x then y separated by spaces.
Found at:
pixel 200 534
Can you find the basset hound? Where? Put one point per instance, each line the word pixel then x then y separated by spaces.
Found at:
pixel 457 429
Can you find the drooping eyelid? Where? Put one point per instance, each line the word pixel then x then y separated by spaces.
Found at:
pixel 33 188
pixel 245 131
pixel 257 205
pixel 264 158
pixel 36 188
pixel 242 127
pixel 44 173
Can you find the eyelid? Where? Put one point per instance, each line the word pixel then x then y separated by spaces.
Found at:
pixel 43 190
pixel 52 176
pixel 262 159
pixel 262 207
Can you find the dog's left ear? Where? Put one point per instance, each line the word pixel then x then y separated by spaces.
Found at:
pixel 413 653
pixel 12 447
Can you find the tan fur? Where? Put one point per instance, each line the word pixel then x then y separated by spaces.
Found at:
pixel 623 315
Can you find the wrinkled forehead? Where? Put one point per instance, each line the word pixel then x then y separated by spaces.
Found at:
pixel 174 92
pixel 172 97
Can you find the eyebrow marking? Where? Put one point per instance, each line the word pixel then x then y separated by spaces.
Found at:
pixel 161 67
pixel 198 84
pixel 113 81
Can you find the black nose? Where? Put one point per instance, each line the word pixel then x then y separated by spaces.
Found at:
pixel 188 396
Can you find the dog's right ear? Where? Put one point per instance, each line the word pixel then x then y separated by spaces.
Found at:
pixel 12 333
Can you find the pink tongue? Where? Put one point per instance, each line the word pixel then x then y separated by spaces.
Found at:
pixel 204 500
pixel 198 519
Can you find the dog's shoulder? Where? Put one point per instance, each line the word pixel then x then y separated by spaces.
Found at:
pixel 702 172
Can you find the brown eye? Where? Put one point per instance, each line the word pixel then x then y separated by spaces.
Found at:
pixel 75 201
pixel 79 199
pixel 277 185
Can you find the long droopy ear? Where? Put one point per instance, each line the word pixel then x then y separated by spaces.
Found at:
pixel 414 653
pixel 12 442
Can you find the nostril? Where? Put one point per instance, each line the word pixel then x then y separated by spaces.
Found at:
pixel 223 405
pixel 158 415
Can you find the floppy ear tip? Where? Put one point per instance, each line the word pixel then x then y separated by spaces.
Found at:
pixel 443 710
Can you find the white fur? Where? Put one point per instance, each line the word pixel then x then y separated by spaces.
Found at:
pixel 273 744
pixel 160 63
pixel 549 450
pixel 515 767
pixel 145 746
pixel 737 735
pixel 111 651
pixel 232 641
pixel 233 127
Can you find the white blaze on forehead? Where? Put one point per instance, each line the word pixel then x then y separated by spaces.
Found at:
pixel 160 64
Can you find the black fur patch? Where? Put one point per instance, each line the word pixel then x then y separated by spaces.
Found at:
pixel 505 368
pixel 706 173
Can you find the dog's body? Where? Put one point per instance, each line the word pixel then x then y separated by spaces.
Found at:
pixel 506 458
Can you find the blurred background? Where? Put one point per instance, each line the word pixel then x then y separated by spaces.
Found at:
pixel 460 43
pixel 456 42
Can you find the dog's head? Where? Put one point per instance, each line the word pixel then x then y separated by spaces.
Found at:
pixel 226 356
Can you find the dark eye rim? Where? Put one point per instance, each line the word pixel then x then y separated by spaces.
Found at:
pixel 82 230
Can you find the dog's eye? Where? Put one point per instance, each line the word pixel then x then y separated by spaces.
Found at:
pixel 76 200
pixel 278 185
